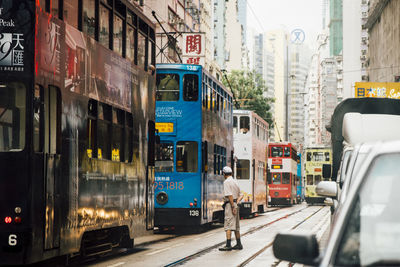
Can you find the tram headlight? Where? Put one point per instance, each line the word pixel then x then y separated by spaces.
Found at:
pixel 162 198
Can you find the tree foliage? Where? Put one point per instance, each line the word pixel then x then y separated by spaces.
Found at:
pixel 248 88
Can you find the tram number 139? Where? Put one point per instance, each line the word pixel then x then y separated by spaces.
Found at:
pixel 194 213
pixel 12 240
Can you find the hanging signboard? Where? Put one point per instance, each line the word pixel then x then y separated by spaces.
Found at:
pixel 379 90
pixel 193 50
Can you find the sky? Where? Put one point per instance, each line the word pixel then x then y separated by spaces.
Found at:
pixel 264 15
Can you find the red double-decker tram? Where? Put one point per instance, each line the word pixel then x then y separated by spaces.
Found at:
pixel 282 173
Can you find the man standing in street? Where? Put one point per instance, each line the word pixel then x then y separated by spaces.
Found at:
pixel 232 197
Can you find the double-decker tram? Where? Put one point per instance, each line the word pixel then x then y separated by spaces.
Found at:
pixel 315 158
pixel 194 121
pixel 282 173
pixel 250 141
pixel 77 124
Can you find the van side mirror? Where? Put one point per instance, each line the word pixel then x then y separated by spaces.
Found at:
pixel 327 171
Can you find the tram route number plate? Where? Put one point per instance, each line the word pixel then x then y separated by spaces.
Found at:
pixel 194 213
pixel 11 242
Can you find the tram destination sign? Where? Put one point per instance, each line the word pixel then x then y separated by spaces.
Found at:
pixel 377 90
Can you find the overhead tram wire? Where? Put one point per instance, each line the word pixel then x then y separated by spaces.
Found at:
pixel 254 14
pixel 237 104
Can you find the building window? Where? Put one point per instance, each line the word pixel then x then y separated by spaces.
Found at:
pixel 118 32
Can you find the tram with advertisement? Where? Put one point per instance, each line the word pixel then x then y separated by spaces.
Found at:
pixel 300 180
pixel 250 142
pixel 282 173
pixel 194 122
pixel 77 110
pixel 315 158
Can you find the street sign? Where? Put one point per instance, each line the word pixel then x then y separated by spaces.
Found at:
pixel 193 50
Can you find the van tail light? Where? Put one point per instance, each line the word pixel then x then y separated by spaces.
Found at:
pixel 8 220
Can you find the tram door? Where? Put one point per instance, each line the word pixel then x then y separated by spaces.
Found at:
pixel 253 193
pixel 47 143
pixel 150 175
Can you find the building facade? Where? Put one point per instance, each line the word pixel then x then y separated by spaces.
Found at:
pixel 384 41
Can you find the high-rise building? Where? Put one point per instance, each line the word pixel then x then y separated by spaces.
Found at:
pixel 335 27
pixel 219 15
pixel 234 38
pixel 277 41
pixel 264 64
pixel 300 57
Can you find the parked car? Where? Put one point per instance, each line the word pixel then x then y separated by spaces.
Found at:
pixel 367 230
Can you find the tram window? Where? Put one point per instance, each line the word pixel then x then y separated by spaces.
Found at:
pixel 38 101
pixel 309 155
pixel 104 125
pixel 104 34
pixel 310 180
pixel 190 87
pixel 54 8
pixel 12 116
pixel 318 156
pixel 235 130
pixel 186 156
pixel 327 156
pixel 141 50
pixel 209 97
pixel 164 157
pixel 89 21
pixel 70 13
pixel 167 87
pixel 244 124
pixel 317 179
pixel 128 138
pixel 243 169
pixel 269 177
pixel 43 4
pixel 117 135
pixel 286 178
pixel 150 52
pixel 276 178
pixel 214 100
pixel 286 152
pixel 130 42
pixel 118 32
pixel 276 151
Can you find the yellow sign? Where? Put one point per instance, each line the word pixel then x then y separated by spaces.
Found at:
pixel 165 127
pixel 378 90
pixel 276 166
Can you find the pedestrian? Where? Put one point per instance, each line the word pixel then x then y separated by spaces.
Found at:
pixel 232 197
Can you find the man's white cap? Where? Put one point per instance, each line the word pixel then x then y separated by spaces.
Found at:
pixel 227 170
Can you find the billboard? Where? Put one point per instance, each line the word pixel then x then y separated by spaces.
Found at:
pixel 380 90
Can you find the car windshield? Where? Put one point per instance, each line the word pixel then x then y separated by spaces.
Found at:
pixel 372 235
pixel 12 116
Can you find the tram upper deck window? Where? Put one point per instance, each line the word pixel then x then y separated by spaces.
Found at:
pixel 190 87
pixel 70 14
pixel 327 156
pixel 309 156
pixel 167 87
pixel 54 8
pixel 286 152
pixel 141 50
pixel 318 156
pixel 104 34
pixel 118 32
pixel 164 157
pixel 235 124
pixel 276 178
pixel 276 151
pixel 186 156
pixel 244 124
pixel 89 20
pixel 243 169
pixel 12 116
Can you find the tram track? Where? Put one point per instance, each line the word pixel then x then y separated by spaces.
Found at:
pixel 249 232
pixel 255 255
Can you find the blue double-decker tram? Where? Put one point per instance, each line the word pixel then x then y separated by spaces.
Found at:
pixel 194 121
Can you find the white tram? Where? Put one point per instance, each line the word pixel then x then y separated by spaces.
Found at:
pixel 250 141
